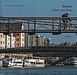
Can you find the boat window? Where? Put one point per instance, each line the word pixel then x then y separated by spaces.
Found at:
pixel 35 58
pixel 32 62
pixel 39 62
pixel 17 62
pixel 28 57
pixel 9 59
pixel 27 61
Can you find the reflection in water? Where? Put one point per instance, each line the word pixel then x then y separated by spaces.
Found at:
pixel 53 70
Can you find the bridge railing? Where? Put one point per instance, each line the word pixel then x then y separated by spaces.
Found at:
pixel 67 49
pixel 37 24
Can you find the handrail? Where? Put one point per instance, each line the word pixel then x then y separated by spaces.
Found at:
pixel 36 18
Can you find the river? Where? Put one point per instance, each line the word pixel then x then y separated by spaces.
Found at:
pixel 52 70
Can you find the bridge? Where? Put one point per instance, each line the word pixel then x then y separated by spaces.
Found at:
pixel 34 25
pixel 54 50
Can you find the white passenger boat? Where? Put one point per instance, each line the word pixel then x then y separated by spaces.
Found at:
pixel 34 62
pixel 12 62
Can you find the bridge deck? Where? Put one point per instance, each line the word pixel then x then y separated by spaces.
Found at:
pixel 40 49
pixel 54 51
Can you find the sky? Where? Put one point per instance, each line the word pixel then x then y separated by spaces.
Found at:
pixel 42 8
pixel 38 8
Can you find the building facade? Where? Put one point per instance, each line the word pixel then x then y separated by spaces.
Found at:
pixel 12 40
pixel 7 41
pixel 36 40
pixel 17 40
pixel 26 39
pixel 41 41
pixel 20 38
pixel 2 41
pixel 47 41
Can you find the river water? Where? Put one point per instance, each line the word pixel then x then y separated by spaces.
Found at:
pixel 52 70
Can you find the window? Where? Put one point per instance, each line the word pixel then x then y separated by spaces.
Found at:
pixel 8 38
pixel 22 39
pixel 1 36
pixel 17 34
pixel 17 39
pixel 8 43
pixel 13 39
pixel 17 44
pixel 3 42
pixel 39 62
pixel 23 34
pixel 17 62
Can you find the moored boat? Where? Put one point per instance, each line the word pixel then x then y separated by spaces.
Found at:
pixel 34 62
pixel 12 62
pixel 74 61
